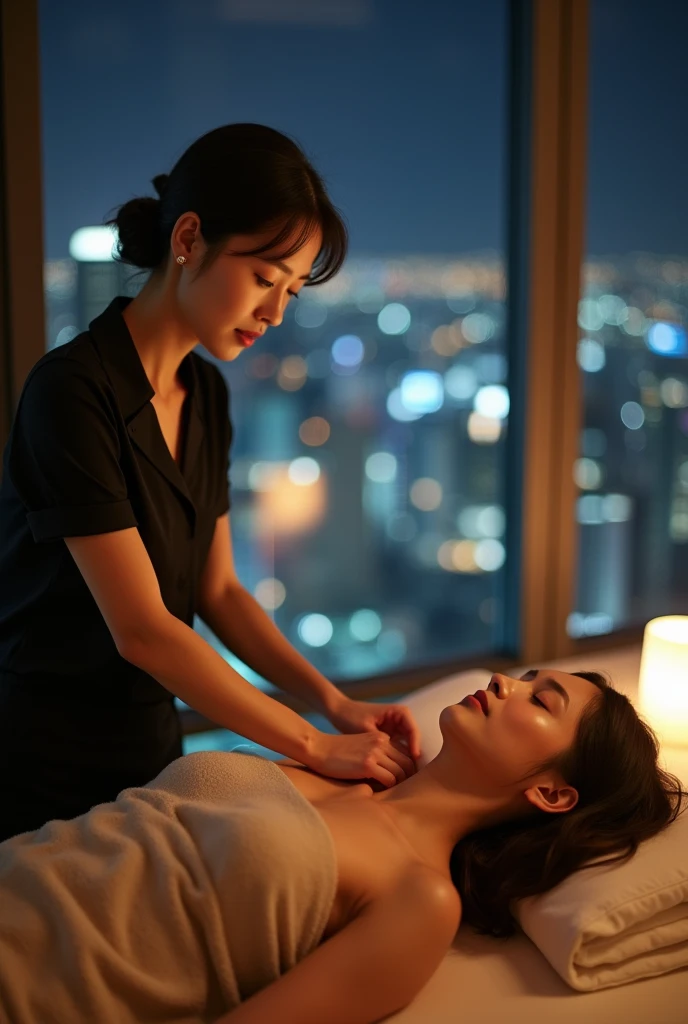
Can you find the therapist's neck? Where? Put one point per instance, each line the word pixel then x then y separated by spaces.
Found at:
pixel 441 804
pixel 160 334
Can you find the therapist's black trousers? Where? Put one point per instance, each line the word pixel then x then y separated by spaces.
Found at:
pixel 58 758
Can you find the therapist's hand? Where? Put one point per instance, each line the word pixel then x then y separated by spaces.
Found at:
pixel 362 755
pixel 393 719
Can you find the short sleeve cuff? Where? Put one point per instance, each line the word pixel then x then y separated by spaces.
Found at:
pixel 80 520
pixel 223 506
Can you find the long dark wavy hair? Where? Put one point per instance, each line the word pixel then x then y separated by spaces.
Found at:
pixel 625 797
pixel 239 179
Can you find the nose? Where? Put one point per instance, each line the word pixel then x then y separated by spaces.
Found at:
pixel 272 309
pixel 501 685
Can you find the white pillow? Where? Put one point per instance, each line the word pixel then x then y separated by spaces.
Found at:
pixel 604 926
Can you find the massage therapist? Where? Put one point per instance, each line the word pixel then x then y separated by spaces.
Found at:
pixel 114 510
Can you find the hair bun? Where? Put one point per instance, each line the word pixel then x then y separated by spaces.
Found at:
pixel 139 232
pixel 160 183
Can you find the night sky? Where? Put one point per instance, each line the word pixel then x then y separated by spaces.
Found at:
pixel 399 104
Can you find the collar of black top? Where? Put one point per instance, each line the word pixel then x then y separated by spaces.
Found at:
pixel 117 349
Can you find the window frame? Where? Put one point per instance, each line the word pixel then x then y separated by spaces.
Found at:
pixel 553 407
pixel 547 83
pixel 22 304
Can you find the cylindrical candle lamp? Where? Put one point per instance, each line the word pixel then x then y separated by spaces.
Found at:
pixel 663 686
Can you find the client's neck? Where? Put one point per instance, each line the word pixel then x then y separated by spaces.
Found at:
pixel 434 813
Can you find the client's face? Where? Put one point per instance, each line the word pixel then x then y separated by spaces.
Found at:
pixel 528 720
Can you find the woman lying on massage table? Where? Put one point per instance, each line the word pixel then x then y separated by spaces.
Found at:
pixel 233 888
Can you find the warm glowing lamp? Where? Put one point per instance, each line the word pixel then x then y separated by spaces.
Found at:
pixel 663 687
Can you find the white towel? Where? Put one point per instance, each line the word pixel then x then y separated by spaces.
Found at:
pixel 608 925
pixel 175 902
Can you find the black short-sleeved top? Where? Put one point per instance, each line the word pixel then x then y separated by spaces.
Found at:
pixel 86 455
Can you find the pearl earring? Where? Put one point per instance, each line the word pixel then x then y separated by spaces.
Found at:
pixel 181 259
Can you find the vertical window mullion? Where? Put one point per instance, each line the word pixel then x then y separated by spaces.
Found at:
pixel 552 408
pixel 569 405
pixel 23 319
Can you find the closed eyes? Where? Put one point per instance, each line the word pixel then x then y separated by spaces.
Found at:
pixel 536 700
pixel 551 684
pixel 269 284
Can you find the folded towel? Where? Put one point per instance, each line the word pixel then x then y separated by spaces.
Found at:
pixel 175 902
pixel 608 925
pixel 605 925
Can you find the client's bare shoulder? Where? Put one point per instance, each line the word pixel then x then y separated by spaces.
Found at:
pixel 373 859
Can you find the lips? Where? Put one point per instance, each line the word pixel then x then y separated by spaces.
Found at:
pixel 245 337
pixel 481 697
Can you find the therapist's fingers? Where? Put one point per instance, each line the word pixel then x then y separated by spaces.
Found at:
pixel 402 760
pixel 402 721
pixel 401 743
pixel 412 731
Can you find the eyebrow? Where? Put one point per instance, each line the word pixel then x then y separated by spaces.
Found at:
pixel 282 266
pixel 551 682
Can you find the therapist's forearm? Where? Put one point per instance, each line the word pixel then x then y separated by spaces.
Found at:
pixel 186 665
pixel 244 627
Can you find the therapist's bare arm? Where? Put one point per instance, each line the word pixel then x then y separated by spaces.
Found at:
pixel 118 571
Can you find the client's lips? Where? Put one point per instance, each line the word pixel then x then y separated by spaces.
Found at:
pixel 481 697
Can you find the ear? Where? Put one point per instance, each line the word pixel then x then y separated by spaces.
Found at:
pixel 551 798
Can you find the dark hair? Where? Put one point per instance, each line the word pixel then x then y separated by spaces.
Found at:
pixel 623 799
pixel 238 179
